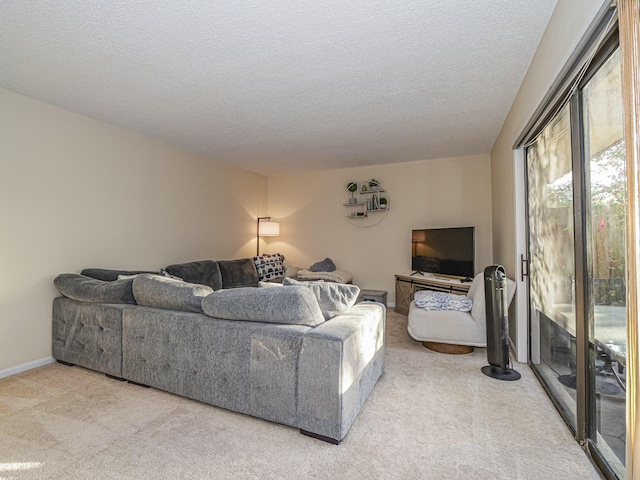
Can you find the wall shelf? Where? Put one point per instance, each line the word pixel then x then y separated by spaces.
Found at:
pixel 363 206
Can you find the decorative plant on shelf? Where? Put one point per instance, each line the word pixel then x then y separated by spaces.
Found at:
pixel 374 184
pixel 352 187
pixel 383 203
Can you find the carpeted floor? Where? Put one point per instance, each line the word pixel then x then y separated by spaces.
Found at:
pixel 431 416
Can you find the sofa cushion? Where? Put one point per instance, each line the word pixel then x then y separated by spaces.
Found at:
pixel 87 289
pixel 295 281
pixel 333 298
pixel 162 273
pixel 165 292
pixel 203 272
pixel 290 269
pixel 238 273
pixel 108 275
pixel 269 267
pixel 293 305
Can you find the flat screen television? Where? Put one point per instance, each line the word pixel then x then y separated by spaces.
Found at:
pixel 445 251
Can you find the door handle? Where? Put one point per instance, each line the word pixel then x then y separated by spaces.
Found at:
pixel 524 267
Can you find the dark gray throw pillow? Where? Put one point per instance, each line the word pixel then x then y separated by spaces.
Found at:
pixel 87 289
pixel 203 272
pixel 238 273
pixel 325 265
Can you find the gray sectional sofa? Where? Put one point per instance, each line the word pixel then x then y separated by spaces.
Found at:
pixel 301 355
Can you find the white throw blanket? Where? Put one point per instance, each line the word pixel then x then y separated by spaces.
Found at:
pixel 337 276
pixel 430 300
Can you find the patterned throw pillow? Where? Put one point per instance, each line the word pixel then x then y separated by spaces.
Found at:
pixel 269 267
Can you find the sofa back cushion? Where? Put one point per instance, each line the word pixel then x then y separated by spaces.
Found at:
pixel 165 292
pixel 238 273
pixel 292 306
pixel 87 289
pixel 333 298
pixel 108 275
pixel 203 272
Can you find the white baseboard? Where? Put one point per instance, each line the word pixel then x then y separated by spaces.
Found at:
pixel 7 372
pixel 391 305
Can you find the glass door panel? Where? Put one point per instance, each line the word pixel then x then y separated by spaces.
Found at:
pixel 551 257
pixel 606 207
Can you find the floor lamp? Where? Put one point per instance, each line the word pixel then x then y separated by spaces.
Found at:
pixel 266 228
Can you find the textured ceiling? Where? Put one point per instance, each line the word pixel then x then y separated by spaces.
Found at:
pixel 281 86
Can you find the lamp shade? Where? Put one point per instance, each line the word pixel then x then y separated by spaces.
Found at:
pixel 418 236
pixel 268 229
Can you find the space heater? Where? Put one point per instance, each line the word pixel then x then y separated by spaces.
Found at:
pixel 497 308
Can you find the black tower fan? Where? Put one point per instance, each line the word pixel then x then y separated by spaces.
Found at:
pixel 497 307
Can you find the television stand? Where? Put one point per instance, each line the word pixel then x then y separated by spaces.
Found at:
pixel 408 285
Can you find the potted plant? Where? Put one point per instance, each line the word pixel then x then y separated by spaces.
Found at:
pixel 374 184
pixel 383 203
pixel 352 187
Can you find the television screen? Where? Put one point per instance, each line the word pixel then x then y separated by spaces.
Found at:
pixel 446 251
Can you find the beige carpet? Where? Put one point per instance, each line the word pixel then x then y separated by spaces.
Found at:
pixel 431 416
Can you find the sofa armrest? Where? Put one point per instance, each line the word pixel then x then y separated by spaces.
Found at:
pixel 340 361
pixel 88 334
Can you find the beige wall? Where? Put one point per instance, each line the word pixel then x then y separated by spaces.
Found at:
pixel 449 192
pixel 76 192
pixel 566 27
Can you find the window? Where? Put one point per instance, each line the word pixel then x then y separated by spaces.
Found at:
pixel 576 204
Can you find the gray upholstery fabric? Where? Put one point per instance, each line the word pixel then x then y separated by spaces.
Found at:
pixel 165 292
pixel 325 265
pixel 291 305
pixel 107 275
pixel 86 289
pixel 238 273
pixel 340 362
pixel 246 367
pixel 315 378
pixel 203 272
pixel 333 298
pixel 88 334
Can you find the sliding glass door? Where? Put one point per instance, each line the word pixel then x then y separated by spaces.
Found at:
pixel 576 201
pixel 606 198
pixel 551 260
